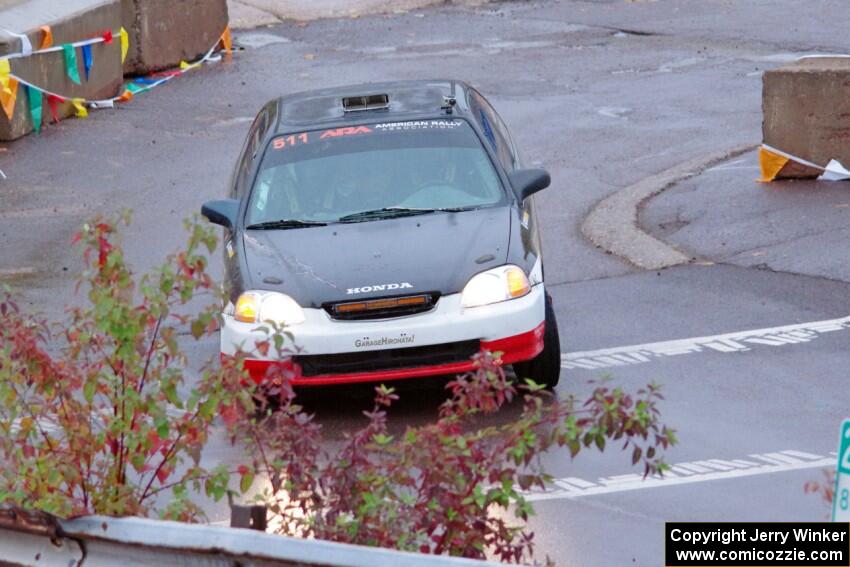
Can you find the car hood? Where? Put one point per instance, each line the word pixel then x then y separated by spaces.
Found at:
pixel 435 252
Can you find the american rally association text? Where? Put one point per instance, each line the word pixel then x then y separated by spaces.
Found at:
pixel 756 534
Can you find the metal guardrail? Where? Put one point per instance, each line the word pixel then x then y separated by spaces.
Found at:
pixel 33 539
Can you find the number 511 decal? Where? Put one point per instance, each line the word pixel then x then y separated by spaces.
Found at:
pixel 289 141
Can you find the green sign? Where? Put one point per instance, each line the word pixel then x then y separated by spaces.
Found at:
pixel 841 498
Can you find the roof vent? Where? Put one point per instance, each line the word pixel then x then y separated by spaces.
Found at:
pixel 368 102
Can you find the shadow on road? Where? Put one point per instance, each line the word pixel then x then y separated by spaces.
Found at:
pixel 339 409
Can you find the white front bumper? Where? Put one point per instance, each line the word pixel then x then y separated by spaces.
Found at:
pixel 449 322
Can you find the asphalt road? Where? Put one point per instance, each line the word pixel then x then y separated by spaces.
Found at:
pixel 602 94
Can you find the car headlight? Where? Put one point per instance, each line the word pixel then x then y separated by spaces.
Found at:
pixel 247 307
pixel 256 306
pixel 499 284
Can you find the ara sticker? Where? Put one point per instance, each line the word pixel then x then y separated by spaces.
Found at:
pixel 347 131
pixel 290 140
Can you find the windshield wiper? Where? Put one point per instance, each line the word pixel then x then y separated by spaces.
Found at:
pixel 438 209
pixel 283 224
pixel 385 212
pixel 457 209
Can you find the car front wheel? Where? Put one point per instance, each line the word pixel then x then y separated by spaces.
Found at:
pixel 545 368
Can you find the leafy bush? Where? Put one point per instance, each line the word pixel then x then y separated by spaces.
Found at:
pixel 95 418
pixel 92 418
pixel 825 488
pixel 444 488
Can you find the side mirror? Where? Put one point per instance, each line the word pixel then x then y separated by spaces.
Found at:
pixel 527 182
pixel 221 212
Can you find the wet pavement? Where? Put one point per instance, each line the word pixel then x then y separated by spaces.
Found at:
pixel 602 94
pixel 724 214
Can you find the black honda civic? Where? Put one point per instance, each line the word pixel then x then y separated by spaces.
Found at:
pixel 391 229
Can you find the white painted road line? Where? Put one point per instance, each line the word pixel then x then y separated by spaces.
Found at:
pixel 726 343
pixel 43 212
pixel 16 272
pixel 684 473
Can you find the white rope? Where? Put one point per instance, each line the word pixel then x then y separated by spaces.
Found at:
pixel 109 102
pixel 823 56
pixel 51 49
pixel 26 45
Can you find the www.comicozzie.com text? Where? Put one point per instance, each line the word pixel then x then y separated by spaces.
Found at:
pixel 755 534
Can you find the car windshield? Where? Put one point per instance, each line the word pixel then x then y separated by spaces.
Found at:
pixel 373 171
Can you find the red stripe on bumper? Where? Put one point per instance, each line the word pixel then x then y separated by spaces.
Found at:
pixel 518 348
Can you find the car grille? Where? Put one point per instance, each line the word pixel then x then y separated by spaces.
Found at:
pixel 382 308
pixel 389 359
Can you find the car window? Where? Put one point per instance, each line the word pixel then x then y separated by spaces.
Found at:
pixel 323 175
pixel 250 150
pixel 494 130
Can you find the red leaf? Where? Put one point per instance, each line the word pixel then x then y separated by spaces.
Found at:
pixel 229 414
pixel 155 441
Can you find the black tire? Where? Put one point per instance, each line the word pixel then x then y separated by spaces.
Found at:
pixel 545 368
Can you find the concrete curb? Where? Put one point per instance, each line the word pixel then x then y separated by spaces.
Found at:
pixel 613 223
pixel 248 14
pixel 35 539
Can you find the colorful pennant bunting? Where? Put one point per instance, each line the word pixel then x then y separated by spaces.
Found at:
pixel 771 164
pixel 227 40
pixel 9 83
pixel 5 69
pixel 87 60
pixel 26 45
pixel 835 171
pixel 53 103
pixel 46 37
pixel 133 87
pixel 34 97
pixel 776 164
pixel 7 99
pixel 98 104
pixel 81 111
pixel 125 43
pixel 71 63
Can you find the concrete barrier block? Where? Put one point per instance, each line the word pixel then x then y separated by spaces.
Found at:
pixel 70 20
pixel 806 109
pixel 165 32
